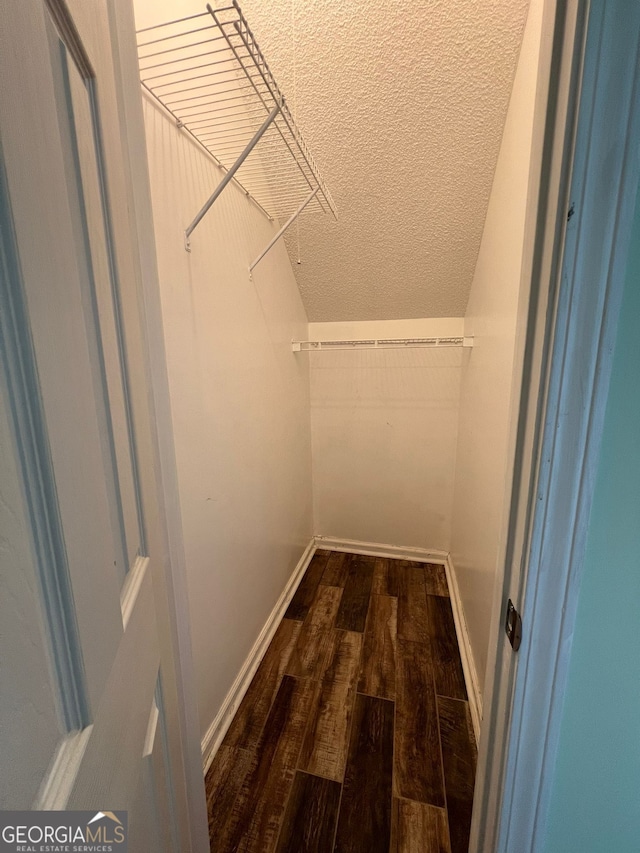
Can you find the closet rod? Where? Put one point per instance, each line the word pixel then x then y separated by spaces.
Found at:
pixel 381 343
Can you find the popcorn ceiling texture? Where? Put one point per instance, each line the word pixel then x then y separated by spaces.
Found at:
pixel 402 106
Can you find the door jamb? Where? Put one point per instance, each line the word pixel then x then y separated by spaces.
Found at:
pixel 579 319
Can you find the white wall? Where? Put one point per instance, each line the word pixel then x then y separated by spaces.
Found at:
pixel 384 427
pixel 487 400
pixel 240 405
pixel 391 431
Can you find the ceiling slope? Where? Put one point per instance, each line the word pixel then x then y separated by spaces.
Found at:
pixel 403 106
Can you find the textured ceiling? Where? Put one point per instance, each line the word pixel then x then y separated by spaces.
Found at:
pixel 402 106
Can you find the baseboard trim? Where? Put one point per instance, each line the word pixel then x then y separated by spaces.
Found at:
pixel 218 728
pixel 466 652
pixel 377 549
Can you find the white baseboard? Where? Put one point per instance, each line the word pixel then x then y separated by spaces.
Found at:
pixel 218 728
pixel 377 549
pixel 424 555
pixel 466 652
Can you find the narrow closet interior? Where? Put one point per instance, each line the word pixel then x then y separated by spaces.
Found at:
pixel 339 256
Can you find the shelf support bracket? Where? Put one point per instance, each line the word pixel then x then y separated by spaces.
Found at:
pixel 291 219
pixel 229 176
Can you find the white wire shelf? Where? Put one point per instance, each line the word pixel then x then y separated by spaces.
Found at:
pixel 208 72
pixel 381 343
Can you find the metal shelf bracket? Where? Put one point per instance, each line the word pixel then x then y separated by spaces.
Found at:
pixel 208 73
pixel 229 176
pixel 289 222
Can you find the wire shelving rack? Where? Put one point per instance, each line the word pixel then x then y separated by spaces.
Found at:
pixel 209 73
pixel 381 343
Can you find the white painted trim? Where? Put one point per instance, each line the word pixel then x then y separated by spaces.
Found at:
pixel 558 86
pixel 377 549
pixel 605 182
pixel 57 785
pixel 135 154
pixel 466 651
pixel 20 377
pixel 221 722
pixel 131 588
pixel 424 555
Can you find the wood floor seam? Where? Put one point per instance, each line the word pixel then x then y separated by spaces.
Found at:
pixel 444 781
pixel 355 734
pixel 409 800
pixel 335 829
pixel 374 696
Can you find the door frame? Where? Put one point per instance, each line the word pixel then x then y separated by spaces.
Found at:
pixel 61 779
pixel 577 278
pixel 125 60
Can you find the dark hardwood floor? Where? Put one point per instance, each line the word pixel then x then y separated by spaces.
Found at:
pixel 355 734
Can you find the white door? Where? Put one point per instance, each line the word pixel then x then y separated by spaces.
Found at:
pixel 90 702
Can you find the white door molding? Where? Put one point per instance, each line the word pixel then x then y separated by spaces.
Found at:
pixel 555 111
pixel 83 444
pixel 580 333
pixel 122 25
pixel 603 192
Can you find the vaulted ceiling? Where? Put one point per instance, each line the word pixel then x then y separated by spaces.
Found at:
pixel 402 105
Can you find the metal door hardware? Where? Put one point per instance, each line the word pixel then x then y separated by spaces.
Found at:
pixel 513 626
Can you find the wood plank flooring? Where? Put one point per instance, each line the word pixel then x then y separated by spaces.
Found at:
pixel 355 734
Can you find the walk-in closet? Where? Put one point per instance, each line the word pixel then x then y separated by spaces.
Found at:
pixel 339 197
pixel 318 434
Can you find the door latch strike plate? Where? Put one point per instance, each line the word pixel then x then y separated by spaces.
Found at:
pixel 513 626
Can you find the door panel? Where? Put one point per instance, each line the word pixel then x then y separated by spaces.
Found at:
pixel 84 170
pixel 53 287
pixel 111 762
pixel 29 729
pixel 76 273
pixel 156 783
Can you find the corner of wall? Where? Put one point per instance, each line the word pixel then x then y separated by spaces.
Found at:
pixel 490 372
pixel 466 650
